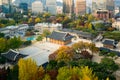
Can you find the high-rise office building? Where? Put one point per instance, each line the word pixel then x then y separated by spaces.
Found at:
pixel 80 8
pixel 68 6
pixel 6 6
pixel 51 6
pixel 23 6
pixel 37 7
pixel 103 5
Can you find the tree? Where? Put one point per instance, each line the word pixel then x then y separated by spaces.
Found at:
pixel 46 16
pixel 109 64
pixel 90 26
pixel 41 73
pixel 39 38
pixel 99 26
pixel 27 69
pixel 3 45
pixel 64 53
pixel 90 18
pixel 75 73
pixel 93 48
pixel 2 35
pixel 46 32
pixel 30 20
pixel 14 42
pixel 37 20
pixel 47 77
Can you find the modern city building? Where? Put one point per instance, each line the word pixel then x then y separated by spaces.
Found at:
pixel 80 7
pixel 37 7
pixel 48 26
pixel 23 6
pixel 68 7
pixel 116 24
pixel 102 14
pixel 12 31
pixel 59 9
pixel 103 5
pixel 51 6
pixel 6 6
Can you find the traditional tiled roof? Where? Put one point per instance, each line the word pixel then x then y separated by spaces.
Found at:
pixel 60 36
pixel 80 33
pixel 109 42
pixel 13 55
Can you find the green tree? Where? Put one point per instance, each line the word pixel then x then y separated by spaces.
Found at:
pixel 3 45
pixel 39 38
pixel 46 32
pixel 99 26
pixel 14 42
pixel 109 64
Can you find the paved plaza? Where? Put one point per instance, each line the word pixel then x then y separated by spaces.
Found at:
pixel 39 52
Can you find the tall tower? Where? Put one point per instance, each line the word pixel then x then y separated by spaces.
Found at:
pixel 51 6
pixel 68 6
pixel 103 5
pixel 103 8
pixel 80 7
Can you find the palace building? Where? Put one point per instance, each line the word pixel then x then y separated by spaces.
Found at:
pixel 60 38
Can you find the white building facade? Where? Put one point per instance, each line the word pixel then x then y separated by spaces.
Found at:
pixel 51 6
pixel 116 24
pixel 37 7
pixel 47 26
pixel 15 30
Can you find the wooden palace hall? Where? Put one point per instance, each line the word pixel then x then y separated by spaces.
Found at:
pixel 61 38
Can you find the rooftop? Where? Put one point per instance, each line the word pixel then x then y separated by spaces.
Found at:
pixel 13 55
pixel 48 24
pixel 60 36
pixel 109 42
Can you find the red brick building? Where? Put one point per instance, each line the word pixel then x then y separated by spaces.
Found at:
pixel 103 14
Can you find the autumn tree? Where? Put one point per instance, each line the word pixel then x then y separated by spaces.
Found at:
pixel 83 46
pixel 93 48
pixel 3 45
pixel 46 32
pixel 76 73
pixel 41 73
pixel 47 77
pixel 64 53
pixel 27 69
pixel 37 20
pixel 80 46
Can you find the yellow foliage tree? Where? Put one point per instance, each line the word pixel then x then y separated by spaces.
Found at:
pixel 27 69
pixel 30 20
pixel 37 20
pixel 47 77
pixel 64 53
pixel 76 73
